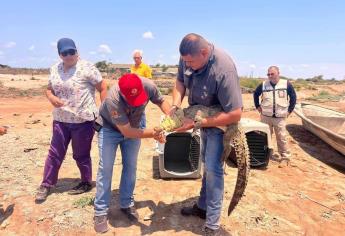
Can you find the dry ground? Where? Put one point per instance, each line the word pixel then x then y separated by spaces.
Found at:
pixel 304 198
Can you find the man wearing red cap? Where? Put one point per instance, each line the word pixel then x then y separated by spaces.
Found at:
pixel 120 117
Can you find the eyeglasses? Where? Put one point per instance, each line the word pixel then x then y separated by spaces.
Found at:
pixel 71 52
pixel 270 74
pixel 136 57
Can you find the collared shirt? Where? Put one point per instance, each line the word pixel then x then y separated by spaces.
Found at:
pixel 76 88
pixel 142 70
pixel 217 83
pixel 115 110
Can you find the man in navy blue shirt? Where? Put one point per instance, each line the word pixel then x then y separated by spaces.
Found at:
pixel 278 99
pixel 211 77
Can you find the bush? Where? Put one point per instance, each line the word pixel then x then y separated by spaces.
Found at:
pixel 165 91
pixel 84 201
pixel 324 96
pixel 251 83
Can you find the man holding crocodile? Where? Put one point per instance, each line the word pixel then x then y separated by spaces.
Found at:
pixel 210 76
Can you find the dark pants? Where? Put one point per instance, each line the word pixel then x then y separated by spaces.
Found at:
pixel 81 136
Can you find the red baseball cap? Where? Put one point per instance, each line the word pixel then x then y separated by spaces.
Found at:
pixel 133 90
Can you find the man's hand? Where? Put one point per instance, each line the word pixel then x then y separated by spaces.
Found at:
pixel 259 110
pixel 187 125
pixel 158 134
pixel 3 130
pixel 55 101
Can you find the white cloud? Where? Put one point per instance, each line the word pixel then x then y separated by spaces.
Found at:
pixel 53 44
pixel 252 66
pixel 304 65
pixel 10 44
pixel 324 67
pixel 104 49
pixel 32 48
pixel 148 35
pixel 92 53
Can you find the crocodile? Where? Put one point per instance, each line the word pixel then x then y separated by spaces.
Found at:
pixel 234 137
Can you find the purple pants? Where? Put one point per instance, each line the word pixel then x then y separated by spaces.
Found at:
pixel 81 136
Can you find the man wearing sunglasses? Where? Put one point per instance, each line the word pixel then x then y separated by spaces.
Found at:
pixel 71 90
pixel 211 77
pixel 278 99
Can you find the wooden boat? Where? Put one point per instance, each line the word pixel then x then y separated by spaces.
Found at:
pixel 327 124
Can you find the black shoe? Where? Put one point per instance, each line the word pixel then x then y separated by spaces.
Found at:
pixel 211 232
pixel 82 187
pixel 42 194
pixel 131 213
pixel 193 211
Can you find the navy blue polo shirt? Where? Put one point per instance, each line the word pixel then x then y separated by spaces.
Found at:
pixel 217 83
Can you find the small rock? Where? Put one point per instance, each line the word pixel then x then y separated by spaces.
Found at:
pixel 41 218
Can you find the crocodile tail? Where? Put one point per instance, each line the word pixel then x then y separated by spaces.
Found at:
pixel 240 146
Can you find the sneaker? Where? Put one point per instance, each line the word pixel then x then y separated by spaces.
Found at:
pixel 275 157
pixel 131 213
pixel 211 232
pixel 42 194
pixel 284 162
pixel 285 155
pixel 193 211
pixel 101 224
pixel 82 187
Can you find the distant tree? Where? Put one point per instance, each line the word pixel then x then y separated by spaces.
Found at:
pixel 102 66
pixel 318 78
pixel 4 66
pixel 165 68
pixel 158 65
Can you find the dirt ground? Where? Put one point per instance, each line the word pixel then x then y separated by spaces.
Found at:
pixel 305 198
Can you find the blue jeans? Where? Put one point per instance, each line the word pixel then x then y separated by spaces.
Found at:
pixel 212 188
pixel 108 141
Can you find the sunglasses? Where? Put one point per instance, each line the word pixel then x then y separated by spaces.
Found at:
pixel 270 74
pixel 71 52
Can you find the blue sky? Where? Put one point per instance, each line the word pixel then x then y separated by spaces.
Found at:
pixel 305 38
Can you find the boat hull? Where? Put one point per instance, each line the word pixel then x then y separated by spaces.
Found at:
pixel 334 139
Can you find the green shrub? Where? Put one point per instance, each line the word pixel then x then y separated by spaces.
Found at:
pixel 165 91
pixel 324 96
pixel 84 201
pixel 250 82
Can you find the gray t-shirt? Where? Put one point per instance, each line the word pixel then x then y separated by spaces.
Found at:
pixel 217 83
pixel 114 109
